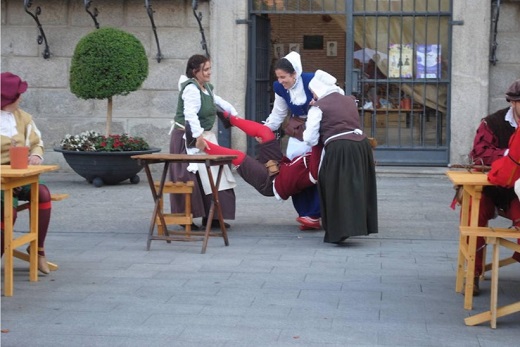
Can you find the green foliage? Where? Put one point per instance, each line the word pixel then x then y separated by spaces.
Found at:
pixel 107 62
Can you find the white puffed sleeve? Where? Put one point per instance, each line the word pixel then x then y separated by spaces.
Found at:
pixel 311 134
pixel 278 113
pixel 192 104
pixel 226 106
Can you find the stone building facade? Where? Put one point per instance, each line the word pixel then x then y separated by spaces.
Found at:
pixel 477 86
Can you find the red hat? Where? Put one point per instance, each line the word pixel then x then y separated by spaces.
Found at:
pixel 12 87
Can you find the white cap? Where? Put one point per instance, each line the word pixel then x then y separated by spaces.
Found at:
pixel 296 62
pixel 323 83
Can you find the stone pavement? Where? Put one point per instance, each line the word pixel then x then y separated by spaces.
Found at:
pixel 273 286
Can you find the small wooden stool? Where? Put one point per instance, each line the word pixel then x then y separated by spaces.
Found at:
pixel 185 218
pixel 25 206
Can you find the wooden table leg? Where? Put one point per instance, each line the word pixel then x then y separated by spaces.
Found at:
pixel 470 273
pixel 8 242
pixel 11 243
pixel 472 248
pixel 157 196
pixel 33 230
pixel 219 209
pixel 494 281
pixel 463 243
pixel 486 316
pixel 215 205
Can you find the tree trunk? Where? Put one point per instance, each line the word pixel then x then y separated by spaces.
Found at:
pixel 109 117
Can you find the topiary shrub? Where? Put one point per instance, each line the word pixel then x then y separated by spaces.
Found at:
pixel 107 62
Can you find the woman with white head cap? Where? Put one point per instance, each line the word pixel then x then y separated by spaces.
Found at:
pixel 292 96
pixel 346 178
pixel 197 109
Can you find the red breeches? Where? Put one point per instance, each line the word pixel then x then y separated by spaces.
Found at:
pixel 44 217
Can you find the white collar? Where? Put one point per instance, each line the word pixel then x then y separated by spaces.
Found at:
pixel 297 92
pixel 510 118
pixel 8 124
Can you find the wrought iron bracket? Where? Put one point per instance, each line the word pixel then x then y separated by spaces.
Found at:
pixel 198 16
pixel 242 21
pixel 93 15
pixel 493 44
pixel 150 12
pixel 41 36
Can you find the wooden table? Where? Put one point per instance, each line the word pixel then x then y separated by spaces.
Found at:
pixel 472 184
pixel 11 179
pixel 167 159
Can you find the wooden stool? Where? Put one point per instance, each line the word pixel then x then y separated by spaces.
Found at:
pixel 496 237
pixel 185 218
pixel 25 256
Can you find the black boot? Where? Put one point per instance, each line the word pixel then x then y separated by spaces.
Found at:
pixel 214 223
pixel 194 227
pixel 224 117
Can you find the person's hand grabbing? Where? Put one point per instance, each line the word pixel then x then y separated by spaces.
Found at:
pixel 201 144
pixel 35 160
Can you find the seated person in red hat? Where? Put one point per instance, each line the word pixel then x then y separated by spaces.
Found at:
pixel 17 128
pixel 271 173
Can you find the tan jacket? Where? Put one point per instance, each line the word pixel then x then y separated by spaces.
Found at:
pixel 23 119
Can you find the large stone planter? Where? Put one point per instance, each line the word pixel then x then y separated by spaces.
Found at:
pixel 101 168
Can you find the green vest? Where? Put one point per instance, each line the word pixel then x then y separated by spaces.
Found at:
pixel 208 110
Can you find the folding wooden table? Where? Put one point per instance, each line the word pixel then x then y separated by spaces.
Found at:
pixel 472 184
pixel 11 179
pixel 208 160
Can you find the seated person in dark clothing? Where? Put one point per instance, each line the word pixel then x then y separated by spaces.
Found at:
pixel 491 143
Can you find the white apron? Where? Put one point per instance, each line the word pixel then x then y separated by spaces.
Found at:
pixel 226 182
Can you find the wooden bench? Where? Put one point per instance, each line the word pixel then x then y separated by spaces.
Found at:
pixel 496 237
pixel 24 256
pixel 503 262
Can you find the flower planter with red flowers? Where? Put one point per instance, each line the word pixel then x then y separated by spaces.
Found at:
pixel 104 159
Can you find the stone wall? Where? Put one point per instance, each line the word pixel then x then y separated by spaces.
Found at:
pixel 146 112
pixel 477 86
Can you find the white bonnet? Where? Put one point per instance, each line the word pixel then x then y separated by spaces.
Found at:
pixel 296 62
pixel 323 83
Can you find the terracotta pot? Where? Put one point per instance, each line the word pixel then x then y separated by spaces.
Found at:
pixel 406 103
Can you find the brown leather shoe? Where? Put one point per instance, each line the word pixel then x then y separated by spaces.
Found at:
pixel 42 262
pixel 42 265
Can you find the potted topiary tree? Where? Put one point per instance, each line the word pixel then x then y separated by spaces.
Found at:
pixel 106 62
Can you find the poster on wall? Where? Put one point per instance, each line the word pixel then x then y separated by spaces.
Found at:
pixel 332 48
pixel 400 60
pixel 279 51
pixel 428 61
pixel 294 47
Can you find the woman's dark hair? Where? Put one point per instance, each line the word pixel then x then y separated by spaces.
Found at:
pixel 285 65
pixel 194 64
